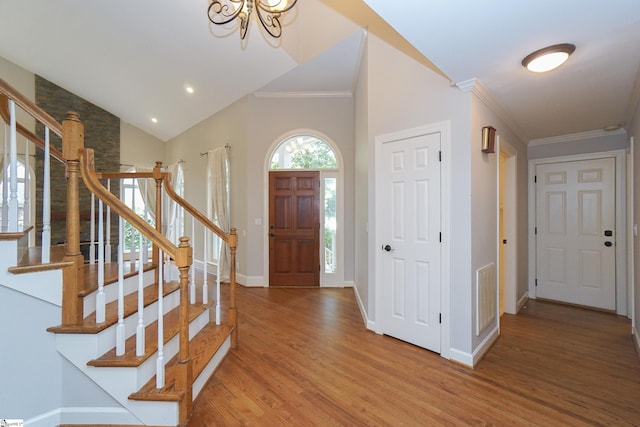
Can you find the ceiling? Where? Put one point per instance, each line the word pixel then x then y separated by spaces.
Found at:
pixel 134 58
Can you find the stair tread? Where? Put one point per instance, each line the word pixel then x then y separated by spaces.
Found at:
pixel 201 348
pixel 5 234
pixel 171 329
pixel 110 274
pixel 89 325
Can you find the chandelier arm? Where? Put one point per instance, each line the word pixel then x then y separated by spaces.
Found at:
pixel 218 9
pixel 270 22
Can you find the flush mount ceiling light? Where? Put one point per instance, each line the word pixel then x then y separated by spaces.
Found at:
pixel 548 58
pixel 221 12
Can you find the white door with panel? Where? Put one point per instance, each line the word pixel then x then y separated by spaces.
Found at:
pixel 575 241
pixel 411 240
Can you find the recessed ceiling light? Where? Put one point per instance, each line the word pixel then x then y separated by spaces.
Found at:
pixel 154 120
pixel 548 58
pixel 189 89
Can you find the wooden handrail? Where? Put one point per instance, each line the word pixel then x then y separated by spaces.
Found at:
pixel 4 113
pixel 30 107
pixel 92 182
pixel 196 213
pixel 123 175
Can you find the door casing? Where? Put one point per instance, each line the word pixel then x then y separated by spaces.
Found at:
pixel 621 224
pixel 444 128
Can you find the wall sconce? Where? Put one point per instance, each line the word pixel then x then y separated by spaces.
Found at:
pixel 488 139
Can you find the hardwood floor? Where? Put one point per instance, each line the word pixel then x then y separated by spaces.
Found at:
pixel 304 358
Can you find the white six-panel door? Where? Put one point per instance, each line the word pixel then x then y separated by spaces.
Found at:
pixel 575 241
pixel 411 221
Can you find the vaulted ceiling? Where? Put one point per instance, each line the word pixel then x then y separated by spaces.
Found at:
pixel 135 58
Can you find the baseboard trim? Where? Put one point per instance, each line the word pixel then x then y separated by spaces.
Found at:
pixel 471 360
pixel 369 324
pixel 90 415
pixel 522 302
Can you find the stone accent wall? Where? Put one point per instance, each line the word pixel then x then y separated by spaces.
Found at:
pixel 102 133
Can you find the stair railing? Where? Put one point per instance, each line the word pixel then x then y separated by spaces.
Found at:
pixel 230 239
pixel 182 256
pixel 9 100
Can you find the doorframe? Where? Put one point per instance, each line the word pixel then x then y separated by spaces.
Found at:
pixel 444 128
pixel 510 219
pixel 621 223
pixel 326 280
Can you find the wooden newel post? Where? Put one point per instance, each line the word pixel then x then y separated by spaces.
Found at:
pixel 233 312
pixel 73 276
pixel 184 379
pixel 157 176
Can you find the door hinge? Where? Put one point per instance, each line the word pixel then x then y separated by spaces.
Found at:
pixel 535 178
pixel 440 318
pixel 439 156
pixel 535 231
pixel 536 281
pixel 440 238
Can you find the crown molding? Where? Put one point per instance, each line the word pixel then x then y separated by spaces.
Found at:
pixel 579 136
pixel 474 86
pixel 327 94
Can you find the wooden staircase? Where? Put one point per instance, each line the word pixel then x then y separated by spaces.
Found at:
pixel 156 387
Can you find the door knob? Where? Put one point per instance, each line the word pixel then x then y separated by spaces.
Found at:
pixel 607 244
pixel 387 248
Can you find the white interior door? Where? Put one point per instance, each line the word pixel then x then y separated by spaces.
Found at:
pixel 575 220
pixel 411 223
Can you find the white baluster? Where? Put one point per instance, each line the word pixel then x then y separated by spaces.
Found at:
pixel 107 246
pixel 160 359
pixel 132 248
pixel 144 251
pixel 140 333
pixel 5 178
pixel 92 232
pixel 46 200
pixel 26 211
pixel 205 286
pixel 100 297
pixel 218 307
pixel 192 285
pixel 13 169
pixel 120 331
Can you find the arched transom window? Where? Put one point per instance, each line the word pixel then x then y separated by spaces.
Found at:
pixel 303 152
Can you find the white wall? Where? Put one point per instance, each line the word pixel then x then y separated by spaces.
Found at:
pixel 363 157
pixel 403 94
pixel 634 131
pixel 36 379
pixel 485 201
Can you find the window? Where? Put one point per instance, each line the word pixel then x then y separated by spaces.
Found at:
pixel 4 200
pixel 303 152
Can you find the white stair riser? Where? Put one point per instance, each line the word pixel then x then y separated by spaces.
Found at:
pixel 111 291
pixel 120 382
pixel 206 373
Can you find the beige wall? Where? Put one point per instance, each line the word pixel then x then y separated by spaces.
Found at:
pixel 484 171
pixel 634 132
pixel 139 148
pixel 229 126
pixel 270 120
pixel 404 94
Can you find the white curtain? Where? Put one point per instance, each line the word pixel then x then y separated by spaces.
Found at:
pixel 218 188
pixel 147 187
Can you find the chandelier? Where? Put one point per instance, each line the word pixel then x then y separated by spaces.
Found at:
pixel 221 12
